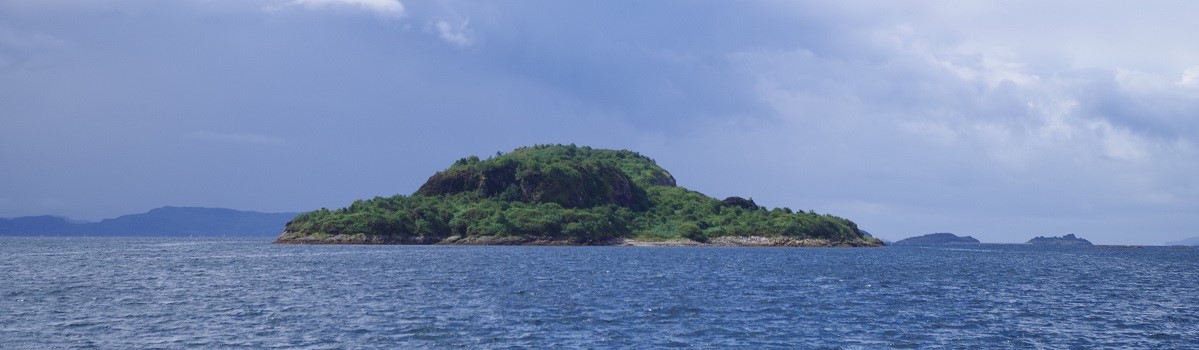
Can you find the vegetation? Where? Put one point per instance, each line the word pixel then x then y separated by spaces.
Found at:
pixel 565 194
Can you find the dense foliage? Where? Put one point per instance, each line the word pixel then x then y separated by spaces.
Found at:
pixel 566 193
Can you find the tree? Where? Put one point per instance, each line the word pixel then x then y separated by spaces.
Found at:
pixel 690 230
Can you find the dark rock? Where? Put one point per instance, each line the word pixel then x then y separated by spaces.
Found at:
pixel 740 202
pixel 579 184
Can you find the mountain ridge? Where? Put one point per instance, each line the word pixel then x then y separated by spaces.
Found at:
pixel 1193 241
pixel 167 221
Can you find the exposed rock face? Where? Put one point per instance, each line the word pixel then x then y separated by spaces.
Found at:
pixel 739 202
pixel 662 178
pixel 938 238
pixel 581 184
pixel 1069 239
pixel 488 181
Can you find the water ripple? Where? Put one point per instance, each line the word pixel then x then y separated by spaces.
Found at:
pixel 168 293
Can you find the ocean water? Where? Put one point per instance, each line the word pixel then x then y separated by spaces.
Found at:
pixel 222 293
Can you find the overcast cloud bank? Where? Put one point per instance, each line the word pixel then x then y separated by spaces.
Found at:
pixel 997 120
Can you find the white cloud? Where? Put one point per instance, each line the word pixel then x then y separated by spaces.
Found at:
pixel 966 62
pixel 1119 143
pixel 1142 82
pixel 390 8
pixel 1190 77
pixel 458 35
pixel 236 138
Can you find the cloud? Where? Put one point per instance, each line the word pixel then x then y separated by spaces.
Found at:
pixel 389 8
pixel 236 138
pixel 967 132
pixel 945 94
pixel 906 118
pixel 459 35
pixel 1190 78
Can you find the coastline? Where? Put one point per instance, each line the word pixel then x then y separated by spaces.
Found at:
pixel 727 241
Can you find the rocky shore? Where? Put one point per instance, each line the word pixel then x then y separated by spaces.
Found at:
pixel 743 241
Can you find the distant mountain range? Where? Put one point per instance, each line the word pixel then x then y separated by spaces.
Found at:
pixel 1188 241
pixel 165 221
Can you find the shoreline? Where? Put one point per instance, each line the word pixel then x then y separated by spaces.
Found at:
pixel 727 241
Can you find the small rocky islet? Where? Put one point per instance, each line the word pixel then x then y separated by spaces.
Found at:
pixel 567 195
pixel 1067 240
pixel 937 238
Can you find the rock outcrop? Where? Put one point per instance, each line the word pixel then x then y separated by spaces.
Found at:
pixel 1067 240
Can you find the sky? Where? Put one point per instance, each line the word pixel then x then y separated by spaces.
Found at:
pixel 1000 120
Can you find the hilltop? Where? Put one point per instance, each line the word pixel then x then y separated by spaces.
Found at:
pixel 559 194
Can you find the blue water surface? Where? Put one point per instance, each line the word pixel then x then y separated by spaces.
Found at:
pixel 225 293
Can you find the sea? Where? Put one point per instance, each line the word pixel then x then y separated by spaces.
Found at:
pixel 142 293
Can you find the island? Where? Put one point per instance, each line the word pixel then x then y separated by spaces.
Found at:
pixel 937 238
pixel 567 195
pixel 1067 240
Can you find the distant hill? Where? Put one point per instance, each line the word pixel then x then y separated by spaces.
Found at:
pixel 43 225
pixel 165 221
pixel 1188 241
pixel 937 238
pixel 1069 239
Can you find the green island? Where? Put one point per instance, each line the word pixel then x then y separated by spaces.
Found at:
pixel 567 195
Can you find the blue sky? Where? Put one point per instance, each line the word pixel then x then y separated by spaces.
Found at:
pixel 1001 120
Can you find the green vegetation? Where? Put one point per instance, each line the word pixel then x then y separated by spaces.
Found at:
pixel 563 194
